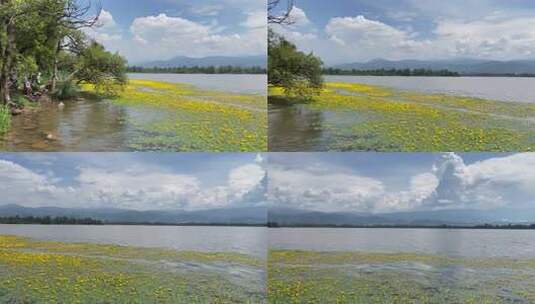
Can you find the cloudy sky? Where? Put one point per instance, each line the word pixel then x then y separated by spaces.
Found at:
pixel 144 181
pixel 344 31
pixel 146 30
pixel 382 182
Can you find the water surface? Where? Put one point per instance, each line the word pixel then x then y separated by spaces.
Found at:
pixel 520 89
pixel 246 240
pixel 234 83
pixel 451 242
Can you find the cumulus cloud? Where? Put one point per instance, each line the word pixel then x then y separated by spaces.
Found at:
pixel 170 36
pixel 105 30
pixel 448 184
pixel 492 34
pixel 138 188
pixel 323 191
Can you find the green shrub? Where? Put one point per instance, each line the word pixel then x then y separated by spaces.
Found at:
pixel 5 119
pixel 66 89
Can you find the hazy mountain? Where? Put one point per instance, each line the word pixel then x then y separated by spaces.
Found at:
pixel 249 215
pixel 181 61
pixel 462 66
pixel 449 217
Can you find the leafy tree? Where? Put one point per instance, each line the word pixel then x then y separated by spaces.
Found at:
pixel 299 74
pixel 94 65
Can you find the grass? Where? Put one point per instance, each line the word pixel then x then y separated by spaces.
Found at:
pixel 356 277
pixel 388 120
pixel 5 119
pixel 190 119
pixel 52 272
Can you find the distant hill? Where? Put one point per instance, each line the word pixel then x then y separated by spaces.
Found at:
pixel 182 61
pixel 462 66
pixel 294 217
pixel 249 215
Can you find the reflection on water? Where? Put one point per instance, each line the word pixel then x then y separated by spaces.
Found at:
pixel 299 127
pixel 81 125
pixel 247 240
pixel 451 242
pixel 294 128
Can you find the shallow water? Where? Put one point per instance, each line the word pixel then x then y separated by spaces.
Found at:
pixel 81 125
pixel 239 83
pixel 454 242
pixel 246 240
pixel 495 88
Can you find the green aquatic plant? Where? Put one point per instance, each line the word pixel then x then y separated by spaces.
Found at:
pixel 189 119
pixel 388 120
pixel 53 272
pixel 362 277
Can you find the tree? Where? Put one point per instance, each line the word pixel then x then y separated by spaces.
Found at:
pixel 94 65
pixel 299 74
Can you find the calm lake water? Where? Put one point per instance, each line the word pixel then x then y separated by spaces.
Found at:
pixel 247 240
pixel 496 88
pixel 455 242
pixel 246 84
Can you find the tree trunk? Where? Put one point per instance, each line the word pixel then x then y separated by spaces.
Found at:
pixel 9 53
pixel 54 82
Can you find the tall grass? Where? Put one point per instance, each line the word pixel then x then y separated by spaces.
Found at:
pixel 5 118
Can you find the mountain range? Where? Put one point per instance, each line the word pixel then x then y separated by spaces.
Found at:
pixel 182 61
pixel 246 215
pixel 295 217
pixel 462 66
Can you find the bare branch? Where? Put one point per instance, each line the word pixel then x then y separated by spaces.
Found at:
pixel 282 18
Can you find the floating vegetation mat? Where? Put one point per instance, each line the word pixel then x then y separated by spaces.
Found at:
pixel 34 271
pixel 355 277
pixel 362 117
pixel 179 117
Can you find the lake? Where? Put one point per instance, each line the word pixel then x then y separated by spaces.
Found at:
pixel 235 83
pixel 83 125
pixel 454 242
pixel 246 240
pixel 520 89
pixel 396 114
pixel 401 265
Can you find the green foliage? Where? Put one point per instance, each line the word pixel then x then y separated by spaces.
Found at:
pixel 5 118
pixel 104 70
pixel 299 74
pixel 67 89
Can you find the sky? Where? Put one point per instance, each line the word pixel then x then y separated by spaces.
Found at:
pixel 398 182
pixel 148 30
pixel 343 31
pixel 134 181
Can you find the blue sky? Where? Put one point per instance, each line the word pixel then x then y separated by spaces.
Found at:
pixel 146 30
pixel 139 181
pixel 360 30
pixel 392 182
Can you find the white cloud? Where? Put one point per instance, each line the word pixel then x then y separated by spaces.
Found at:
pixel 173 36
pixel 500 35
pixel 106 30
pixel 313 190
pixel 207 10
pixel 298 17
pixel 449 184
pixel 138 188
pixel 256 19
